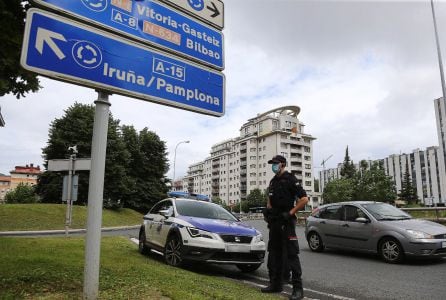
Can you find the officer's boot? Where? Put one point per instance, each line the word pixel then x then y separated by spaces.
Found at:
pixel 297 294
pixel 272 288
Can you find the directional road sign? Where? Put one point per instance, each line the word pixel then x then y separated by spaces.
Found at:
pixel 210 11
pixel 67 50
pixel 150 22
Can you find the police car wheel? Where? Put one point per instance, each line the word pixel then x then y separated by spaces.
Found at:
pixel 248 268
pixel 315 242
pixel 142 247
pixel 172 251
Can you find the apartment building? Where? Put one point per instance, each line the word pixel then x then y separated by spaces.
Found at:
pixel 239 165
pixel 424 172
pixel 440 117
pixel 5 186
pixel 21 174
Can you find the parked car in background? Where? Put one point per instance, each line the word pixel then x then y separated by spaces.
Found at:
pixel 374 227
pixel 195 230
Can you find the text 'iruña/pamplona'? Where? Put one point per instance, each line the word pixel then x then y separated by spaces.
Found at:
pixel 160 84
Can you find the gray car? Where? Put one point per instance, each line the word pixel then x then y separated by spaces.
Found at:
pixel 374 227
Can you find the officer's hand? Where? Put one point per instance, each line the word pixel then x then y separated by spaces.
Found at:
pixel 286 216
pixel 266 214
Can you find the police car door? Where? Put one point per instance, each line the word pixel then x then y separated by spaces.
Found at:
pixel 157 222
pixel 166 223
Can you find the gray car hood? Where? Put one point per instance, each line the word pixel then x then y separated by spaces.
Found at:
pixel 422 225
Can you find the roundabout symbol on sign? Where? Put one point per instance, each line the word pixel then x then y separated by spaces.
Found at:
pixel 95 5
pixel 196 4
pixel 86 54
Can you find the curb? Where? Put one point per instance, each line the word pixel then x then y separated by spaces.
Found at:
pixel 62 231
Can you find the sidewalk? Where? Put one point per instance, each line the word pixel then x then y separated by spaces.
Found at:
pixel 62 231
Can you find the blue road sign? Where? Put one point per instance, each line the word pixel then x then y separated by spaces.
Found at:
pixel 67 50
pixel 150 22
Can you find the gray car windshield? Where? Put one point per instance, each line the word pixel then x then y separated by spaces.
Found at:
pixel 386 212
pixel 201 209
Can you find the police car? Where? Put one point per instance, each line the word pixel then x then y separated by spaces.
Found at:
pixel 187 227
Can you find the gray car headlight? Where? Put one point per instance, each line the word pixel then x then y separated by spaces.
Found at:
pixel 258 238
pixel 195 232
pixel 419 234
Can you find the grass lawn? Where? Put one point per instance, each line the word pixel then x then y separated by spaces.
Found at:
pixel 52 268
pixel 52 216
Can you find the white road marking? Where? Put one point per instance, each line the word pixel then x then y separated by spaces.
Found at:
pixel 306 289
pixel 136 241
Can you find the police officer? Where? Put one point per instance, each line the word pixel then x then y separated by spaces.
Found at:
pixel 286 197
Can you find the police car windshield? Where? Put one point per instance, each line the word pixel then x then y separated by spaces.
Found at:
pixel 200 209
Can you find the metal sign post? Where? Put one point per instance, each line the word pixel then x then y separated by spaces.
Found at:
pixel 95 197
pixel 69 196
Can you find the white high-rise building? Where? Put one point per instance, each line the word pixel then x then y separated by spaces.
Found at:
pixel 423 171
pixel 239 165
pixel 440 116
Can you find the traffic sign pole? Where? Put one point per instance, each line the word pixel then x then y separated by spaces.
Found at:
pixel 69 202
pixel 95 197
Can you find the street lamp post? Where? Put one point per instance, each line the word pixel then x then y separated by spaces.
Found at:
pixel 175 159
pixel 322 186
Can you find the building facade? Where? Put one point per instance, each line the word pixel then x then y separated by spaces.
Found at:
pixel 239 165
pixel 440 117
pixel 21 174
pixel 423 168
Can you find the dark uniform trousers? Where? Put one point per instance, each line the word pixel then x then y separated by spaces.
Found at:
pixel 283 247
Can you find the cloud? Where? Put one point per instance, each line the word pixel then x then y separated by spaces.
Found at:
pixel 364 74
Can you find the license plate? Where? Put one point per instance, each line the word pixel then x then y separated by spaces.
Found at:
pixel 443 244
pixel 238 248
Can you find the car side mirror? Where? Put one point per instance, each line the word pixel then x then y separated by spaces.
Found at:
pixel 362 220
pixel 165 212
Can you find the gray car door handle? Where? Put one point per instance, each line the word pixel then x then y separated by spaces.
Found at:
pixel 322 222
pixel 345 225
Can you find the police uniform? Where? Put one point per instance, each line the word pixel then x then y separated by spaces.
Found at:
pixel 283 246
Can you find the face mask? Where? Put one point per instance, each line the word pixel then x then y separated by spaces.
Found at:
pixel 275 168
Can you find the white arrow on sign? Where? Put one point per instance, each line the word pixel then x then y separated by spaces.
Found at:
pixel 47 36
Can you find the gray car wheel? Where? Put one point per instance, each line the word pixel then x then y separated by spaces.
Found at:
pixel 315 242
pixel 391 250
pixel 172 251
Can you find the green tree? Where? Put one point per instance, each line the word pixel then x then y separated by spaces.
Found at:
pixel 76 128
pixel 339 190
pixel 256 198
pixel 348 168
pixel 408 191
pixel 146 168
pixel 22 194
pixel 374 185
pixel 220 202
pixel 13 78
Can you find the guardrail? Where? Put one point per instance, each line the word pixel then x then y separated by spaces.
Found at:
pixel 302 215
pixel 437 218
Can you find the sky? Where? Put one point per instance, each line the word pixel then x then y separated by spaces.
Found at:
pixel 364 73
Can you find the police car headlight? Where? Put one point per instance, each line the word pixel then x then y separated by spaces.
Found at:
pixel 258 238
pixel 195 232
